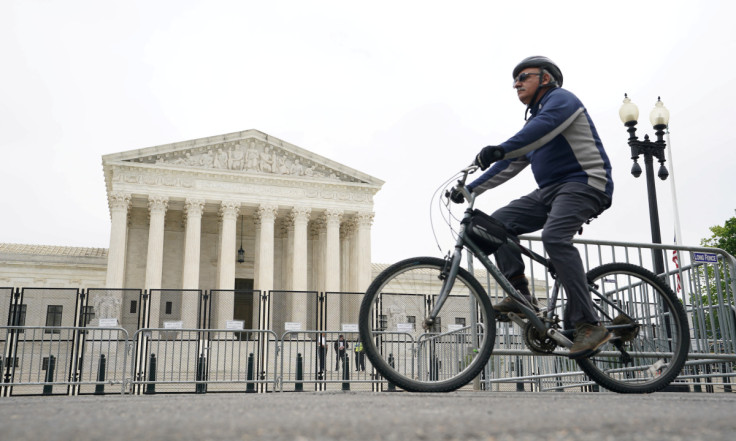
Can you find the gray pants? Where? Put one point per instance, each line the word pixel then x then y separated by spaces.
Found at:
pixel 559 210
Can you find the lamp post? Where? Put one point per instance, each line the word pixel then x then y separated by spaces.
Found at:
pixel 659 117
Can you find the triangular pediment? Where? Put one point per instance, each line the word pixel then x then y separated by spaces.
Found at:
pixel 250 152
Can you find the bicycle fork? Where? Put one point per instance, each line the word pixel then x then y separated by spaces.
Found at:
pixel 448 275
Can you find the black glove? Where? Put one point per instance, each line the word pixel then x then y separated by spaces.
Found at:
pixel 456 196
pixel 489 155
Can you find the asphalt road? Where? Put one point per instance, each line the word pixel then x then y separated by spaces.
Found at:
pixel 463 416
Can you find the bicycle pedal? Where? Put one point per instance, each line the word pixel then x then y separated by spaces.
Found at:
pixel 502 317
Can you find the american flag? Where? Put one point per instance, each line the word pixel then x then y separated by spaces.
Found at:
pixel 676 261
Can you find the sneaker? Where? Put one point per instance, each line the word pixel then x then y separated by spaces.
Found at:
pixel 510 305
pixel 588 338
pixel 625 334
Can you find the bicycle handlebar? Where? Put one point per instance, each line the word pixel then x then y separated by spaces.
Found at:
pixel 469 170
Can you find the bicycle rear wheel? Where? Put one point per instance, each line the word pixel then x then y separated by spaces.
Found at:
pixel 440 359
pixel 650 331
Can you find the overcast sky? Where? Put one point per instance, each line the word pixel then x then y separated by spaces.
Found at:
pixel 404 91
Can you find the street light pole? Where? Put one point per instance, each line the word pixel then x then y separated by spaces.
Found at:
pixel 659 117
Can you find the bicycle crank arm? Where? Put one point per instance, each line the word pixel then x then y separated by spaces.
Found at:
pixel 559 338
pixel 516 319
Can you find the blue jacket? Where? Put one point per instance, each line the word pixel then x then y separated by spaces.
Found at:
pixel 560 142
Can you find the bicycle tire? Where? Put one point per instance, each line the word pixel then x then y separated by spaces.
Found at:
pixel 439 360
pixel 659 347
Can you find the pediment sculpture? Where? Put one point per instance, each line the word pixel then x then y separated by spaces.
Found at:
pixel 251 156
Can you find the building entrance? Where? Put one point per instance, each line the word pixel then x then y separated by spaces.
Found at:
pixel 243 302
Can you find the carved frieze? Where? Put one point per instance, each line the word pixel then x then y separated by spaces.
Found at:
pixel 249 156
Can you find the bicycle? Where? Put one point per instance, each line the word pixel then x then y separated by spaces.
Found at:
pixel 647 351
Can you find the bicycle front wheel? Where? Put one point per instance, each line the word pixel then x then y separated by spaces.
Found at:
pixel 650 331
pixel 444 357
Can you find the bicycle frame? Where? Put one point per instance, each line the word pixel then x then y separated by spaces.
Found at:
pixel 454 264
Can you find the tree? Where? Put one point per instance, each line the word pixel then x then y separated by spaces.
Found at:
pixel 724 237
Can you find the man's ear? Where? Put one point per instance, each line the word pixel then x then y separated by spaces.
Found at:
pixel 546 78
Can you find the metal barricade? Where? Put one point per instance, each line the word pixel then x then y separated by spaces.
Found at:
pixel 80 360
pixel 203 360
pixel 309 361
pixel 62 360
pixel 705 286
pixel 442 356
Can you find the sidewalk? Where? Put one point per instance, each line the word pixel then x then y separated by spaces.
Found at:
pixel 372 416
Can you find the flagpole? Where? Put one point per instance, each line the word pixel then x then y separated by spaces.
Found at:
pixel 678 231
pixel 676 214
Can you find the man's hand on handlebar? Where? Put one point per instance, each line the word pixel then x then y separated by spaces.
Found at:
pixel 456 196
pixel 489 155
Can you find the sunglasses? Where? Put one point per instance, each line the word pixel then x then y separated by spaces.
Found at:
pixel 524 76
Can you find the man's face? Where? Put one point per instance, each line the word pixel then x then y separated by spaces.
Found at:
pixel 526 83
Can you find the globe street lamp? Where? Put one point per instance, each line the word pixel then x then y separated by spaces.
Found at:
pixel 659 117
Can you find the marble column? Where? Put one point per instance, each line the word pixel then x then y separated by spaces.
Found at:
pixel 193 209
pixel 226 267
pixel 119 205
pixel 299 220
pixel 287 245
pixel 354 250
pixel 346 232
pixel 318 234
pixel 332 250
pixel 157 206
pixel 364 220
pixel 256 247
pixel 266 213
pixel 330 240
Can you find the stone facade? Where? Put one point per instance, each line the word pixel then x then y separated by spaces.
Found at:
pixel 181 212
pixel 52 266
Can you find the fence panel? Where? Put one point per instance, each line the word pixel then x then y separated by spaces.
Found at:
pixel 120 304
pixel 177 305
pixel 310 361
pixel 289 308
pixel 204 360
pixel 6 298
pixel 341 310
pixel 43 360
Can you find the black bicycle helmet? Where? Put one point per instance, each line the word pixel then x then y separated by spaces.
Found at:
pixel 542 63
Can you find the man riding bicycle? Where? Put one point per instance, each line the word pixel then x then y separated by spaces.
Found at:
pixel 573 173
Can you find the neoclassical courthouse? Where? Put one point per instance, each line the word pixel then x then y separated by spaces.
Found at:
pixel 180 213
